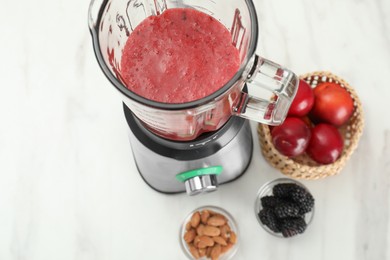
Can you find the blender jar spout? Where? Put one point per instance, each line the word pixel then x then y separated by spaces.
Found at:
pixel 271 90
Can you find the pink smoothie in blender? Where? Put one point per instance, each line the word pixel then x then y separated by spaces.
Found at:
pixel 179 56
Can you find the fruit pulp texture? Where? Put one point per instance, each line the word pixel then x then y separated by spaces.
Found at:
pixel 179 56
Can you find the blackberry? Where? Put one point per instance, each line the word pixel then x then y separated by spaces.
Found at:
pixel 295 193
pixel 292 226
pixel 304 199
pixel 268 218
pixel 284 190
pixel 287 209
pixel 270 201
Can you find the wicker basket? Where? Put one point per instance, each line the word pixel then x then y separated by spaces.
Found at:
pixel 303 167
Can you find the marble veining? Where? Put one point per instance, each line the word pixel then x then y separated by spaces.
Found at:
pixel 69 188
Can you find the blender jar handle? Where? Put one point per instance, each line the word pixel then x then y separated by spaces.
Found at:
pixel 271 90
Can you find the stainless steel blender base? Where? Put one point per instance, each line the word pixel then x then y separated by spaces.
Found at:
pixel 230 147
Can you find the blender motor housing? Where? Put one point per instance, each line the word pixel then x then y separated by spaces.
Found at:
pixel 160 160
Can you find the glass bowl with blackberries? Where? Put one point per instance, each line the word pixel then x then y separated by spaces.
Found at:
pixel 284 207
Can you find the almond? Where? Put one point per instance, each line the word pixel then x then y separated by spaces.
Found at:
pixel 189 235
pixel 202 252
pixel 199 230
pixel 211 231
pixel 208 241
pixel 195 219
pixel 216 221
pixel 225 232
pixel 202 245
pixel 228 229
pixel 194 251
pixel 233 238
pixel 226 248
pixel 216 252
pixel 208 251
pixel 188 225
pixel 196 241
pixel 212 213
pixel 220 216
pixel 204 216
pixel 220 241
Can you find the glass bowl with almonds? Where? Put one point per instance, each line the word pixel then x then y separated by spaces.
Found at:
pixel 209 232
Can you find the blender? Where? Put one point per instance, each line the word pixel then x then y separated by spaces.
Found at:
pixel 197 145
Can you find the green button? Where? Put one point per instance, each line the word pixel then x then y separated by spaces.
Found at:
pixel 182 177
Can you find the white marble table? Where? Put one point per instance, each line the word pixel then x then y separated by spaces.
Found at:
pixel 69 188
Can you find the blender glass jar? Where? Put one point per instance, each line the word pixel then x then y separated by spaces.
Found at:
pixel 271 88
